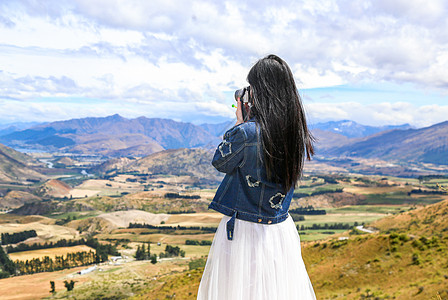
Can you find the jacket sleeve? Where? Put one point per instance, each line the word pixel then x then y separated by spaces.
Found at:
pixel 230 152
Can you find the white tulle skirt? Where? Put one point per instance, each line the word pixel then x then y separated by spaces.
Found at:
pixel 261 262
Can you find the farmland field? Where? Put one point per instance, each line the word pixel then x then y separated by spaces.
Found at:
pixel 50 252
pixel 177 217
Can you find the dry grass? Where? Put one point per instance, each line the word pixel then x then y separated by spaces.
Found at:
pixel 158 237
pixel 198 219
pixel 123 218
pixel 36 286
pixel 51 252
pixel 376 190
pixel 18 219
pixel 81 193
pixel 44 231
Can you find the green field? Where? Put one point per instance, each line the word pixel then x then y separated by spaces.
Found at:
pixel 400 198
pixel 339 218
pixel 314 235
pixel 377 209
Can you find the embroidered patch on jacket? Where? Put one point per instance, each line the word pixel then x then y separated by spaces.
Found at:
pixel 225 148
pixel 251 182
pixel 276 200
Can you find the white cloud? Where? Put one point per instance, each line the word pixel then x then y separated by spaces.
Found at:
pixel 141 51
pixel 378 114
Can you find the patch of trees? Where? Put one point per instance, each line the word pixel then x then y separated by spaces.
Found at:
pixel 143 253
pixel 69 285
pixel 325 226
pixel 308 210
pixel 65 220
pixel 17 237
pixel 172 228
pixel 198 243
pixel 300 195
pixel 328 179
pixel 429 177
pixel 172 251
pixel 178 196
pixel 37 246
pixel 426 192
pixel 297 217
pixel 177 212
pixel 101 250
pixel 319 191
pixel 74 259
pixel 7 267
pixel 47 264
pixel 326 191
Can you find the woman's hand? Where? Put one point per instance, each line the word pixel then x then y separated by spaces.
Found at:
pixel 239 113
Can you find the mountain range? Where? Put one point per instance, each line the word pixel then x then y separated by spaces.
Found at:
pixel 112 136
pixel 429 145
pixel 116 136
pixel 352 129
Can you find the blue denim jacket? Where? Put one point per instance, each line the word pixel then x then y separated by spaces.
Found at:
pixel 245 193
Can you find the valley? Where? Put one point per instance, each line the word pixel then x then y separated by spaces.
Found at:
pixel 370 228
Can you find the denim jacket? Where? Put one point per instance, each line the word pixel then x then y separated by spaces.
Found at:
pixel 245 193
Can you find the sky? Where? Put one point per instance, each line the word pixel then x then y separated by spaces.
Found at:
pixel 377 62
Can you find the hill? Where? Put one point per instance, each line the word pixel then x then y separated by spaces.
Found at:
pixel 112 135
pixel 54 188
pixel 191 162
pixel 15 199
pixel 429 145
pixel 17 167
pixel 111 166
pixel 428 221
pixel 195 163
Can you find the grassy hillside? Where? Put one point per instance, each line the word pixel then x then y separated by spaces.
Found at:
pixel 191 162
pixel 15 199
pixel 17 167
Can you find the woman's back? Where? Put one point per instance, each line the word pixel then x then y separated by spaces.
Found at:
pixel 256 253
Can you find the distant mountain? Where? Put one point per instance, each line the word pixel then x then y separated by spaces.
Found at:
pixel 429 144
pixel 8 130
pixel 112 136
pixel 17 167
pixel 352 129
pixel 328 140
pixel 218 129
pixel 17 126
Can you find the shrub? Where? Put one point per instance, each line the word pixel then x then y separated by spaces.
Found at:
pixel 403 237
pixel 69 285
pixel 196 263
pixel 415 259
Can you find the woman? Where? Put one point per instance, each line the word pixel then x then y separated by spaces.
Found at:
pixel 256 250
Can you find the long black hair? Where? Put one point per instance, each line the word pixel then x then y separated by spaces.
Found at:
pixel 278 111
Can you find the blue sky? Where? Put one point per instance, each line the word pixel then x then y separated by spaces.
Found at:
pixel 375 62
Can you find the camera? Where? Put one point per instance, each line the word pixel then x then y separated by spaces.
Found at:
pixel 243 94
